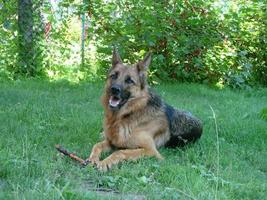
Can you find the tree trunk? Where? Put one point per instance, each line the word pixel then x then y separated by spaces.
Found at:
pixel 25 37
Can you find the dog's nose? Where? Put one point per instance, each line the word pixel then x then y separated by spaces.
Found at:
pixel 115 89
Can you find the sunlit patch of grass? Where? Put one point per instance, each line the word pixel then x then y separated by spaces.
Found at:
pixel 36 115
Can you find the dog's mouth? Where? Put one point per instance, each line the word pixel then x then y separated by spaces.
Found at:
pixel 114 101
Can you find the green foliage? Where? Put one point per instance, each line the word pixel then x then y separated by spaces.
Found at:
pixel 196 41
pixel 8 38
pixel 22 46
pixel 64 52
pixel 201 41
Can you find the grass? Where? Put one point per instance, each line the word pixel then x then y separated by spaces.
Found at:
pixel 230 163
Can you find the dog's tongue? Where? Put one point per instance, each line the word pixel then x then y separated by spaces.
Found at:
pixel 114 101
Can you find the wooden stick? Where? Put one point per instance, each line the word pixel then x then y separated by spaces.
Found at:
pixel 71 155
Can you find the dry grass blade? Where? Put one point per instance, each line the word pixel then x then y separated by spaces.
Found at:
pixel 218 152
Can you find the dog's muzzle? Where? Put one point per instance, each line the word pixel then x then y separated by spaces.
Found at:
pixel 118 97
pixel 115 96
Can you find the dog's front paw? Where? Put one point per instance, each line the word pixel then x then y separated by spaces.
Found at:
pixel 104 165
pixel 93 159
pixel 86 162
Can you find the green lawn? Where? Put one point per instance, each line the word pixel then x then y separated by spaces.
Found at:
pixel 36 115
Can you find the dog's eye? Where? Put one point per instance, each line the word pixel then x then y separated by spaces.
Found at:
pixel 128 80
pixel 114 76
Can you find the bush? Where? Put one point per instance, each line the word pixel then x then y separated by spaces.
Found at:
pixel 196 41
pixel 191 41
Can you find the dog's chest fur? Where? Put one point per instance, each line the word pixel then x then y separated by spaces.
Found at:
pixel 119 132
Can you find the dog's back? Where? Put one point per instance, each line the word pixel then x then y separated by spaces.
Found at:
pixel 183 126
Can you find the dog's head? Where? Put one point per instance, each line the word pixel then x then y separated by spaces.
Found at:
pixel 125 82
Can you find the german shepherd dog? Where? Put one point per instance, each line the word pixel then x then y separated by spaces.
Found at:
pixel 136 121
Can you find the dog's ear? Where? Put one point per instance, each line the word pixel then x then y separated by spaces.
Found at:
pixel 116 59
pixel 144 64
pixel 142 67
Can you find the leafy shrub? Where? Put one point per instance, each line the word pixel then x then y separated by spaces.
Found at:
pixel 196 41
pixel 193 41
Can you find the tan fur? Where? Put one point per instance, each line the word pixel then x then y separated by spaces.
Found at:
pixel 133 128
